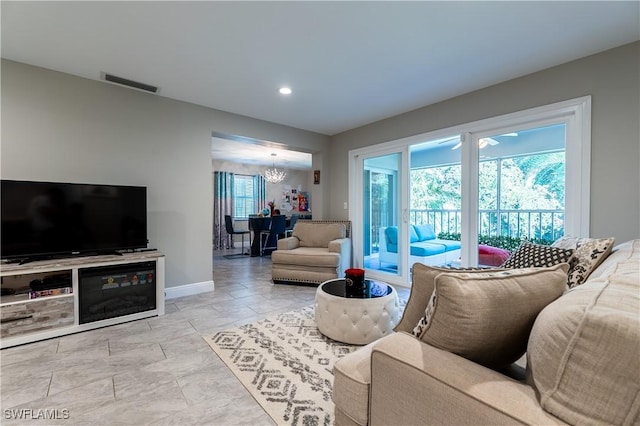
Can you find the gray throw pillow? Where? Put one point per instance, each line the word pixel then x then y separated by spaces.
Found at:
pixel 487 317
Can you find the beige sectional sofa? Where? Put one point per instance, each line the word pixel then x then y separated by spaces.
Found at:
pixel 582 366
pixel 317 251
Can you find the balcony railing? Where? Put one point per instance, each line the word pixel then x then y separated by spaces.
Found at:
pixel 529 224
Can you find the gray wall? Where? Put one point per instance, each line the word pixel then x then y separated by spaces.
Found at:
pixel 612 78
pixel 58 127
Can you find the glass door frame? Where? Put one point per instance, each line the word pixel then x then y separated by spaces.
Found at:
pixel 356 182
pixel 575 114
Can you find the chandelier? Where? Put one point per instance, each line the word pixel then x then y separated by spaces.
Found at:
pixel 274 175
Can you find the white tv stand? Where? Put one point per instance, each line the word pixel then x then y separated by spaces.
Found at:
pixel 25 320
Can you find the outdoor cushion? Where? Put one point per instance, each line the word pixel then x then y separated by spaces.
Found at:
pixel 425 232
pixel 426 249
pixel 413 235
pixel 448 244
pixel 492 256
pixel 392 236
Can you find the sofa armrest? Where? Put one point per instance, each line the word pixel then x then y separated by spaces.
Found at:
pixel 415 383
pixel 288 243
pixel 342 246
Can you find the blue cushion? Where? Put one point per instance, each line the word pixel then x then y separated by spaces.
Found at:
pixel 392 235
pixel 425 232
pixel 426 249
pixel 413 235
pixel 392 248
pixel 448 244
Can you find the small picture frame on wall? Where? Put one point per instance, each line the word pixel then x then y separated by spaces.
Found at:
pixel 316 177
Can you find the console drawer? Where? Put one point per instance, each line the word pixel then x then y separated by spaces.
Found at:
pixel 36 315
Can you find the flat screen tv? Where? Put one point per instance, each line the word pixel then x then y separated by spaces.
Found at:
pixel 49 219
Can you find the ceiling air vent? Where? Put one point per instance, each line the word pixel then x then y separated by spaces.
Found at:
pixel 130 83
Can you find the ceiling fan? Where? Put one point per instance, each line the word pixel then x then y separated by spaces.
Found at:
pixel 482 142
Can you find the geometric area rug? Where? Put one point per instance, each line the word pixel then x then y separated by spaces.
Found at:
pixel 286 364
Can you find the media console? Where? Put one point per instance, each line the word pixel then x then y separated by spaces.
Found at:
pixel 52 298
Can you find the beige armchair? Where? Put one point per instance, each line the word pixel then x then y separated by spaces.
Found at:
pixel 317 251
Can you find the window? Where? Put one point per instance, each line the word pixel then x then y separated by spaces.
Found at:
pixel 244 202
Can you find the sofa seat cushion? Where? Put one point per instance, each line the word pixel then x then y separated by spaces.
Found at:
pixel 582 355
pixel 426 249
pixel 351 383
pixel 448 244
pixel 307 256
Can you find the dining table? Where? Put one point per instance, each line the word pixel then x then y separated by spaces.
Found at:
pixel 257 224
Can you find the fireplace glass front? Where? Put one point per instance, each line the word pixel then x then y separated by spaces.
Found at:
pixel 114 291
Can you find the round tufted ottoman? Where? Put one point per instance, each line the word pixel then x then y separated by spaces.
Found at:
pixel 356 320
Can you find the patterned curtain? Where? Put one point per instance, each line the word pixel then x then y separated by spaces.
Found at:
pixel 222 205
pixel 260 195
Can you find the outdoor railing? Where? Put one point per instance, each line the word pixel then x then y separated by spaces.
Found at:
pixel 529 224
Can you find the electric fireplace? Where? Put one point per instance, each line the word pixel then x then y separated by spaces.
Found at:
pixel 114 291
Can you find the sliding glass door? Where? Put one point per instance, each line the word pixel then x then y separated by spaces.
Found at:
pixel 521 189
pixel 380 240
pixel 477 190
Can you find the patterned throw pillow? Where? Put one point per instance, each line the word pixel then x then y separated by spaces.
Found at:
pixel 487 317
pixel 529 255
pixel 423 324
pixel 588 254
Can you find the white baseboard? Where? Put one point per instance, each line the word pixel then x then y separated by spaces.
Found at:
pixel 188 289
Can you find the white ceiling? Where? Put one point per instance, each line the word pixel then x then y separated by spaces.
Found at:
pixel 259 153
pixel 348 63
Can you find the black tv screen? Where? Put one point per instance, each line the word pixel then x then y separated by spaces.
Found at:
pixel 48 218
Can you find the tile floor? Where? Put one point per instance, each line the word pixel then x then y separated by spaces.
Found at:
pixel 154 371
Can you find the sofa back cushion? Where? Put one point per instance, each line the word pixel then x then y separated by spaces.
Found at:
pixel 318 234
pixel 582 355
pixel 424 232
pixel 413 235
pixel 391 234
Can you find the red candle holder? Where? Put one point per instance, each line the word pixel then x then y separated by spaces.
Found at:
pixel 354 278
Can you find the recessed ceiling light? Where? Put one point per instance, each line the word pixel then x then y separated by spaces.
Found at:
pixel 285 90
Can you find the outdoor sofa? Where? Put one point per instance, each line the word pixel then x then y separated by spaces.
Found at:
pixel 425 247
